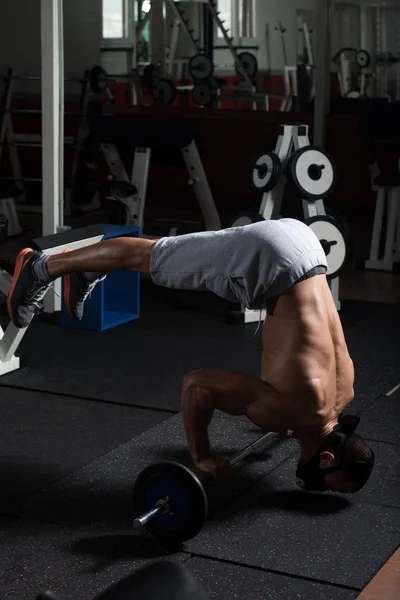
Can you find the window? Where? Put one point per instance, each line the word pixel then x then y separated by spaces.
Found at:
pixel 114 19
pixel 120 18
pixel 239 19
pixel 225 10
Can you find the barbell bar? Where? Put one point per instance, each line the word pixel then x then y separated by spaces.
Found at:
pixel 170 500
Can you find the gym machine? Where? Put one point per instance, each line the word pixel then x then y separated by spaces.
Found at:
pixel 379 30
pixel 129 192
pixel 295 74
pixel 345 59
pixel 204 91
pixel 313 173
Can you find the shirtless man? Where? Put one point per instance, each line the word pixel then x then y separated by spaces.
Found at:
pixel 307 375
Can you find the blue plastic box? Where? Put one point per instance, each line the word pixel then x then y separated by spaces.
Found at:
pixel 116 299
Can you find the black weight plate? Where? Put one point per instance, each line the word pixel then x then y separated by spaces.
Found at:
pixel 363 59
pixel 201 67
pixel 312 171
pixel 248 62
pixel 164 93
pixel 334 240
pixel 187 501
pixel 98 80
pixel 246 218
pixel 204 93
pixel 267 171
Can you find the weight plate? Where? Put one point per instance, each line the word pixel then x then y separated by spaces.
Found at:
pixel 248 62
pixel 363 59
pixel 204 93
pixel 334 241
pixel 187 501
pixel 164 93
pixel 200 67
pixel 312 171
pixel 267 171
pixel 246 218
pixel 98 80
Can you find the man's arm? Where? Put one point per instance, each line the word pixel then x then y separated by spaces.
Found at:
pixel 206 391
pixel 197 411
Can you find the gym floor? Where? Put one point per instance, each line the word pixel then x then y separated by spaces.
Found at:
pixel 91 410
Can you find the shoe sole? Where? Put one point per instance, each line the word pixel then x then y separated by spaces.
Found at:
pixel 19 265
pixel 67 291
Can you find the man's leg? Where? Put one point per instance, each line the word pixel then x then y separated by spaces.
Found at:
pixel 117 254
pixel 35 271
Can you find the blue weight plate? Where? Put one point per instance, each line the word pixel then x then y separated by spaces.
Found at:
pixel 187 501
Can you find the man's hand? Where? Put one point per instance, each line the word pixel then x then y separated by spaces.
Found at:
pixel 216 465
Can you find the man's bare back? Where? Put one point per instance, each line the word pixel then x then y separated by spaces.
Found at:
pixel 305 360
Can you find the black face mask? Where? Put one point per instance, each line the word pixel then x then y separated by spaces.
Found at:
pixel 310 476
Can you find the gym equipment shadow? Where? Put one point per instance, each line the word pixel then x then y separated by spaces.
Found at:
pixel 113 548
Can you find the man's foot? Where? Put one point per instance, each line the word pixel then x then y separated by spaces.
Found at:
pixel 77 289
pixel 30 283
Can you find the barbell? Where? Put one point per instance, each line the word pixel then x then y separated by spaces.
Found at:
pixel 170 500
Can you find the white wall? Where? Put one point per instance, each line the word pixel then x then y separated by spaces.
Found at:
pixel 20 37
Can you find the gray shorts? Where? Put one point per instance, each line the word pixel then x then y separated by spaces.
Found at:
pixel 249 265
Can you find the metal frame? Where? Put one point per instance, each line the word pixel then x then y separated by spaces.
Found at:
pixel 52 83
pixel 291 138
pixel 135 203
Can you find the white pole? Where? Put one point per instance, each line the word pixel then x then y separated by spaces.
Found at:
pixel 52 99
pixel 52 128
pixel 322 70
